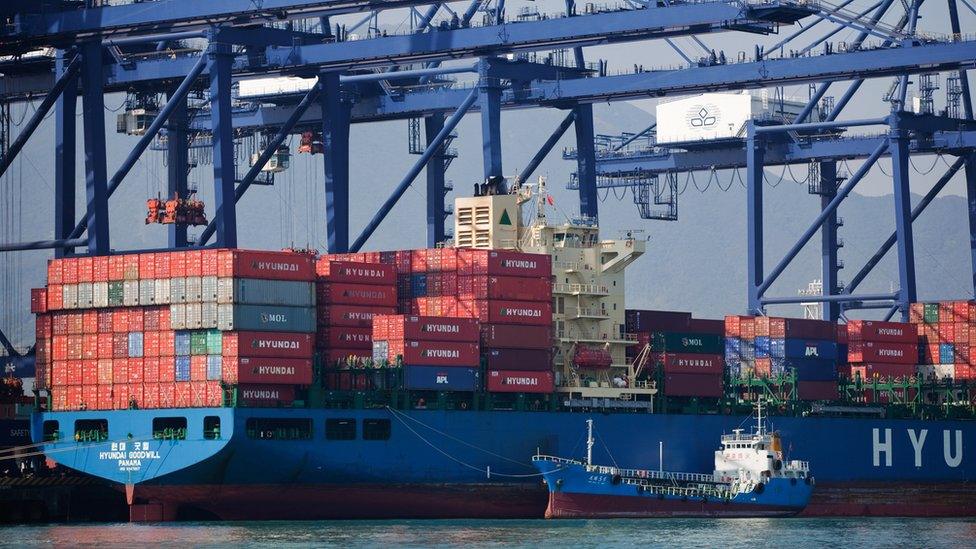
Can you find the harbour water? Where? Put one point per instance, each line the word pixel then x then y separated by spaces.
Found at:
pixel 751 533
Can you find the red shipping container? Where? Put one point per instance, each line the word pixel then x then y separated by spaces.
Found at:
pixel 961 353
pixel 55 271
pixel 165 320
pixel 59 347
pixel 38 300
pixel 355 294
pixel 75 397
pixel 332 356
pixel 76 345
pixel 198 368
pixel 177 264
pixel 105 376
pixel 355 273
pixel 817 390
pixel 89 322
pixel 167 395
pixel 930 353
pixel 764 367
pixel 120 345
pixel 100 268
pixel 945 312
pixel 120 320
pixel 136 396
pixel 135 318
pixel 504 287
pixel 198 394
pixel 167 343
pixel 268 344
pixel 344 338
pixel 182 398
pixel 881 370
pixel 266 395
pixel 689 363
pixel 210 263
pixel 870 351
pixel 150 344
pixel 69 272
pixel 503 263
pixel 519 359
pixel 350 315
pixel 74 372
pixel 418 261
pixel 89 346
pixel 960 311
pixel 116 267
pixel 43 326
pixel 106 346
pixel 130 267
pixel 120 371
pixel 76 322
pixel 59 373
pixel 706 326
pixel 105 320
pixel 871 330
pixel 289 371
pixel 86 269
pixel 960 332
pixel 162 266
pixel 150 396
pixel 166 367
pixel 134 369
pixel 426 328
pixel 693 385
pixel 105 397
pixel 194 262
pixel 511 336
pixel 150 319
pixel 535 313
pixel 59 324
pixel 794 328
pixel 266 265
pixel 946 332
pixel 434 353
pixel 89 397
pixel 55 297
pixel 499 381
pixel 150 370
pixel 215 394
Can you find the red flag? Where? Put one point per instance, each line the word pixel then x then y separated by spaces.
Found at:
pixel 549 200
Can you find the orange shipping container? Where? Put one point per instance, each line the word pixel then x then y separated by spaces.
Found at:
pixel 130 267
pixel 55 297
pixel 75 345
pixel 73 371
pixel 198 368
pixel 162 265
pixel 167 395
pixel 194 263
pixel 89 322
pixel 961 332
pixel 167 343
pixel 76 322
pixel 89 348
pixel 150 370
pixel 150 344
pixel 177 264
pixel 100 268
pixel 150 395
pixel 147 266
pixel 960 311
pixel 55 271
pixel 166 369
pixel 198 394
pixel 69 273
pixel 135 319
pixel 86 269
pixel 209 262
pixel 120 371
pixel 59 347
pixel 105 346
pixel 75 397
pixel 134 367
pixel 59 373
pixel 105 371
pixel 89 372
pixel 120 320
pixel 104 397
pixel 89 397
pixel 182 394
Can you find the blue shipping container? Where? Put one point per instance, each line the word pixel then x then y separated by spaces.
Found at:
pixel 810 369
pixel 805 348
pixel 214 366
pixel 182 368
pixel 441 378
pixel 135 344
pixel 762 346
pixel 418 285
pixel 181 344
pixel 947 353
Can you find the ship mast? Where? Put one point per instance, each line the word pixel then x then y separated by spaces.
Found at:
pixel 759 417
pixel 589 442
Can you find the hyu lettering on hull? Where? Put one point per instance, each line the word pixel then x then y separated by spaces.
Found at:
pixel 883 440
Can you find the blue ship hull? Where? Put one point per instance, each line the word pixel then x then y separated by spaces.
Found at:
pixel 478 463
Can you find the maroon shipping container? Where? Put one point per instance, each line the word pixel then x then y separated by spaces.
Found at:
pixel 706 326
pixel 261 264
pixel 267 344
pixel 878 369
pixel 433 353
pixel 640 320
pixel 870 351
pixel 520 381
pixel 426 328
pixel 693 385
pixel 534 360
pixel 344 338
pixel 329 293
pixel 261 395
pixel 795 328
pixel 503 263
pixel 533 313
pixel 289 371
pixel 689 363
pixel 504 287
pixel 355 273
pixel 817 390
pixel 511 336
pixel 350 315
pixel 871 330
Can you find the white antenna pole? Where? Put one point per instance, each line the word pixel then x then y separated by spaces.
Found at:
pixel 589 442
pixel 660 456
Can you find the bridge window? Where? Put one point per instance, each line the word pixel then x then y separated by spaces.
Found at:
pixel 52 430
pixel 211 427
pixel 376 429
pixel 169 428
pixel 279 428
pixel 91 430
pixel 340 429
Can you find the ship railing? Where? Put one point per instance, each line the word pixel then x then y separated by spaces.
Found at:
pixel 798 465
pixel 561 288
pixel 683 491
pixel 641 474
pixel 555 459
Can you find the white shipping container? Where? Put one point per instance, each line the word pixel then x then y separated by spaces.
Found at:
pixel 99 294
pixel 265 318
pixel 69 296
pixel 194 316
pixel 177 290
pixel 248 291
pixel 208 315
pixel 147 292
pixel 130 293
pixel 194 287
pixel 161 289
pixel 177 316
pixel 925 370
pixel 943 371
pixel 85 297
pixel 208 289
pixel 260 87
pixel 712 116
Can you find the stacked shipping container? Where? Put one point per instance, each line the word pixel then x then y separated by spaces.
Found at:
pixel 350 294
pixel 947 339
pixel 686 351
pixel 157 329
pixel 881 349
pixel 436 352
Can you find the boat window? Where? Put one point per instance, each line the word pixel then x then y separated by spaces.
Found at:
pixel 52 430
pixel 211 427
pixel 340 429
pixel 268 428
pixel 169 428
pixel 376 429
pixel 91 430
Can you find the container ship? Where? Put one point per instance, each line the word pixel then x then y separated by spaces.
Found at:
pixel 233 384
